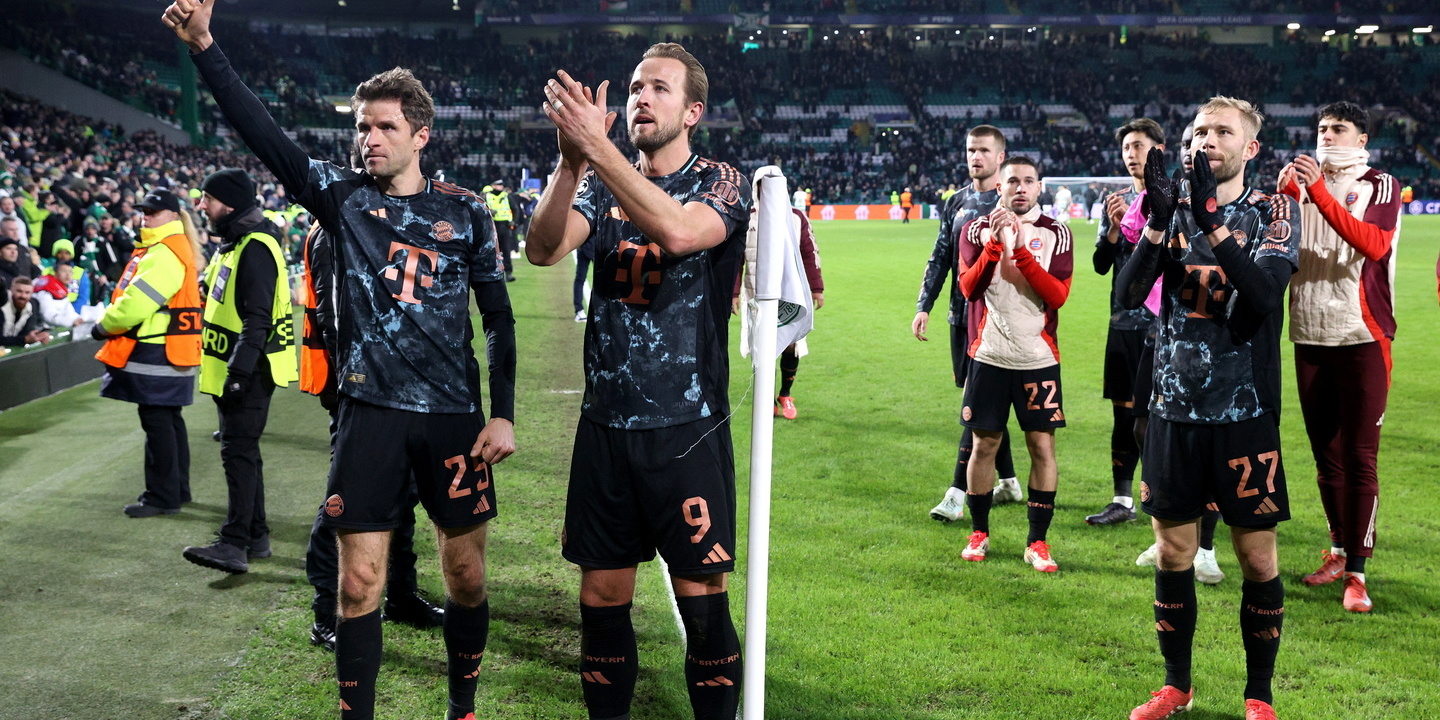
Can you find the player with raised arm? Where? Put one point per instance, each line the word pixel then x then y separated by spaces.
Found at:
pixel 408 253
pixel 1015 267
pixel 1225 255
pixel 984 151
pixel 653 467
pixel 1342 321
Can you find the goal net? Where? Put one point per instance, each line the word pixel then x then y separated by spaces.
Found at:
pixel 1080 198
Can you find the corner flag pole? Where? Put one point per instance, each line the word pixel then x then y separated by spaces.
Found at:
pixel 769 267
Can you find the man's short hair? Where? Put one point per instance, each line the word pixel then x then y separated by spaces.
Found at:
pixel 1020 160
pixel 1346 111
pixel 22 280
pixel 399 84
pixel 1149 127
pixel 697 83
pixel 989 131
pixel 1251 117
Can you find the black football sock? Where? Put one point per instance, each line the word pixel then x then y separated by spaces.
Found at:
pixel 1208 521
pixel 1040 508
pixel 1355 563
pixel 980 511
pixel 1262 614
pixel 1004 462
pixel 466 630
pixel 609 661
pixel 789 363
pixel 962 459
pixel 1124 455
pixel 712 656
pixel 357 663
pixel 1175 613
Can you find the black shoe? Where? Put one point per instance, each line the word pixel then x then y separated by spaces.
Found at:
pixel 414 610
pixel 215 436
pixel 259 548
pixel 322 633
pixel 145 510
pixel 218 555
pixel 509 277
pixel 1113 514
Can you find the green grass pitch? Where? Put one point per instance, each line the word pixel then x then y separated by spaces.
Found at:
pixel 872 614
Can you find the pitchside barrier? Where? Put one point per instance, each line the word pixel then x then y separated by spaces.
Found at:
pixel 921 211
pixel 36 371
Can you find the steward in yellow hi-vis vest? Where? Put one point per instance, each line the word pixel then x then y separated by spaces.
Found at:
pixel 248 350
pixel 152 347
pixel 502 211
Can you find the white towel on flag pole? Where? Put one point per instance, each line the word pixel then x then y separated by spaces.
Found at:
pixel 782 316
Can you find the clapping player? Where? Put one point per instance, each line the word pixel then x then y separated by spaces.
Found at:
pixel 1225 255
pixel 653 467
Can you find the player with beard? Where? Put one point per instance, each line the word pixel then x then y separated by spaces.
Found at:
pixel 1015 267
pixel 653 468
pixel 984 151
pixel 1225 255
pixel 1207 566
pixel 1342 321
pixel 408 254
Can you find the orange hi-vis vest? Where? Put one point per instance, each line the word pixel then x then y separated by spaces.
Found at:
pixel 182 332
pixel 314 362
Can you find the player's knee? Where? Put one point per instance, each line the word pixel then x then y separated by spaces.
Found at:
pixel 465 578
pixel 360 589
pixel 1174 555
pixel 1258 565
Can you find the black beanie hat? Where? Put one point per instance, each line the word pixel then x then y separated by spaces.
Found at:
pixel 232 187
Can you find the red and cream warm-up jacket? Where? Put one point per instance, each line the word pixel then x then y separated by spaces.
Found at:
pixel 1015 327
pixel 1343 293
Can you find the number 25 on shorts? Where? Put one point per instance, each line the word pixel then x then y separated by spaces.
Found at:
pixel 482 472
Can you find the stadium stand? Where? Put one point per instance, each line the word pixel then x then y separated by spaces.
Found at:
pixel 854 113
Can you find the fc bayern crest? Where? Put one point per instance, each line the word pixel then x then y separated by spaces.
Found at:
pixel 443 231
pixel 1035 243
pixel 1351 198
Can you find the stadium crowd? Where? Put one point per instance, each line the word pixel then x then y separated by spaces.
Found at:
pixel 848 73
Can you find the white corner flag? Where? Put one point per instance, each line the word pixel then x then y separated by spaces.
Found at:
pixel 782 315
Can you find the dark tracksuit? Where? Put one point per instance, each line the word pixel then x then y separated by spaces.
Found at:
pixel 242 420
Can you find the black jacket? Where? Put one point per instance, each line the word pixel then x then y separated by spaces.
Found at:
pixel 254 283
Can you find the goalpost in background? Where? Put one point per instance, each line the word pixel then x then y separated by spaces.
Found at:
pixel 1087 195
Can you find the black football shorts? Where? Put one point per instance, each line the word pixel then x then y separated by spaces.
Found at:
pixel 633 492
pixel 1235 464
pixel 377 449
pixel 990 393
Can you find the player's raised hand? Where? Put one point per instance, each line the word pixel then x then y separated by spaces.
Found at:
pixel 1203 204
pixel 1162 194
pixel 1286 178
pixel 496 442
pixel 1307 170
pixel 1001 218
pixel 1115 208
pixel 190 19
pixel 579 116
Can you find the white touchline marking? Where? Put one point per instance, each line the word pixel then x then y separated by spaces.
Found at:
pixel 674 606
